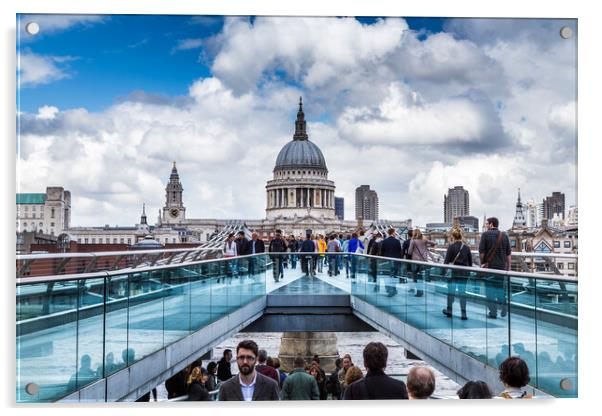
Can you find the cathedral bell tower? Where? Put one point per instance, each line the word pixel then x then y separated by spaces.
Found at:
pixel 174 210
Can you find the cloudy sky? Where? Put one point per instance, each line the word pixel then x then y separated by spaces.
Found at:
pixel 410 106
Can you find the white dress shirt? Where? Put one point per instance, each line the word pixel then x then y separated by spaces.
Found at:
pixel 247 389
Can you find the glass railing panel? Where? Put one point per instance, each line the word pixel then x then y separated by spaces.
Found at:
pixel 200 294
pixel 145 319
pixel 556 337
pixel 416 301
pixel 176 303
pixel 46 346
pixel 468 335
pixel 222 273
pixel 438 286
pixel 523 329
pixel 116 323
pixel 90 333
pixel 497 318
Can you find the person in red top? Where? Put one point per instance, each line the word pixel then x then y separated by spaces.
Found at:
pixel 265 369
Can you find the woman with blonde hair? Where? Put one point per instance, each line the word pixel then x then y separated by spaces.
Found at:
pixel 458 254
pixel 418 251
pixel 353 374
pixel 197 391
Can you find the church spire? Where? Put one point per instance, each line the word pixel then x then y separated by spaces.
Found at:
pixel 143 217
pixel 300 132
pixel 519 216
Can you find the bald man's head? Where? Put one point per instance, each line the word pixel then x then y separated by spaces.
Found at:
pixel 420 382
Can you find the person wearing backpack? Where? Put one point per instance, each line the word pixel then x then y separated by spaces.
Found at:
pixel 457 254
pixel 495 253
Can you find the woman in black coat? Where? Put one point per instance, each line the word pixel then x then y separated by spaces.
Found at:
pixel 458 253
pixel 196 386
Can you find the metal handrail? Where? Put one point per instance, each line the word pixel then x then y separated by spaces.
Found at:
pixel 524 253
pixel 45 256
pixel 109 273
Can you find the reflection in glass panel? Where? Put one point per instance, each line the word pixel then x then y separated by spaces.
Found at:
pixel 46 339
pixel 90 332
pixel 116 323
pixel 200 296
pixel 145 319
pixel 557 337
pixel 523 331
pixel 176 303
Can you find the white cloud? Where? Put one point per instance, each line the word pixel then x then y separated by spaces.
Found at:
pixel 405 118
pixel 36 69
pixel 187 44
pixel 47 112
pixel 298 47
pixel 410 117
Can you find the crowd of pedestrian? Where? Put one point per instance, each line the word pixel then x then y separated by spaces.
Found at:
pixel 260 378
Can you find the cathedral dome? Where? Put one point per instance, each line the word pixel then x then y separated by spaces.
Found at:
pixel 300 152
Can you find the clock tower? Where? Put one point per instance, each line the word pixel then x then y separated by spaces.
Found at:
pixel 174 210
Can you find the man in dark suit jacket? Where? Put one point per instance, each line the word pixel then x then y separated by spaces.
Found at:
pixel 255 246
pixel 376 385
pixel 391 247
pixel 249 385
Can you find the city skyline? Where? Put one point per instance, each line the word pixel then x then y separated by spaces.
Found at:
pixel 216 111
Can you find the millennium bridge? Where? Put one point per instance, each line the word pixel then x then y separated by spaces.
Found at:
pixel 104 327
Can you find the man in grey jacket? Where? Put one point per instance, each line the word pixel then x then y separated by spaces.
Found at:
pixel 249 385
pixel 299 385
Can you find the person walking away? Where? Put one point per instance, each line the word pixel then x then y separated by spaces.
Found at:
pixel 369 250
pixel 346 256
pixel 333 247
pixel 376 385
pixel 495 253
pixel 176 385
pixel 263 367
pixel 355 246
pixel 255 246
pixel 224 371
pixel 514 375
pixel 457 254
pixel 405 247
pixel 333 387
pixel 353 374
pixel 307 247
pixel 391 248
pixel 322 246
pixel 277 245
pixel 281 374
pixel 418 250
pixel 299 385
pixel 474 390
pixel 420 383
pixel 340 258
pixel 249 385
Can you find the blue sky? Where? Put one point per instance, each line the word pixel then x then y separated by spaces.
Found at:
pixel 411 106
pixel 129 53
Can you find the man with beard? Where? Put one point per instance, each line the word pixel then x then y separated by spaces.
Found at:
pixel 249 385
